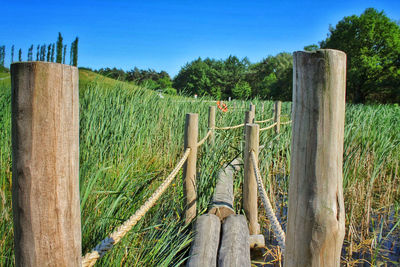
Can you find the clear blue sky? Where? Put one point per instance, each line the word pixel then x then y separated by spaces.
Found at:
pixel 164 35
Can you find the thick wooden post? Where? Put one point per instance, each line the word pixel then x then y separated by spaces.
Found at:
pixel 211 124
pixel 252 108
pixel 316 225
pixel 250 182
pixel 45 154
pixel 277 116
pixel 189 168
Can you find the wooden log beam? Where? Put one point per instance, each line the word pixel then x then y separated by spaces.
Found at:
pixel 223 198
pixel 316 215
pixel 205 244
pixel 45 151
pixel 235 246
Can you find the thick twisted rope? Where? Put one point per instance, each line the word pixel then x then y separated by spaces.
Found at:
pixel 269 127
pixel 230 127
pixel 205 138
pixel 267 120
pixel 276 227
pixel 286 122
pixel 105 245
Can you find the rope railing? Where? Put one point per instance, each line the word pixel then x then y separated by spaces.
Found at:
pixel 267 120
pixel 90 258
pixel 269 127
pixel 286 122
pixel 229 127
pixel 205 138
pixel 276 227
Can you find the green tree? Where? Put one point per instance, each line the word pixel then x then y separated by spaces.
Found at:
pixel 64 53
pixel 75 53
pixel 242 90
pixel 2 55
pixel 372 44
pixel 12 53
pixel 267 77
pixel 30 53
pixel 48 58
pixel 312 47
pixel 38 53
pixel 59 48
pixel 52 52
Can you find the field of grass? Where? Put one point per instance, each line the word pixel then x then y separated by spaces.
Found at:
pixel 130 139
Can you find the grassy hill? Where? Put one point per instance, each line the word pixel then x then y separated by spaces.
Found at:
pixel 130 139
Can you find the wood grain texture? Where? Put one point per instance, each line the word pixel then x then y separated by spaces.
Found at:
pixel 211 124
pixel 45 152
pixel 250 183
pixel 204 249
pixel 223 198
pixel 277 116
pixel 189 168
pixel 234 249
pixel 316 215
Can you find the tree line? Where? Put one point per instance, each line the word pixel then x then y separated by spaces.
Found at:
pixel 54 52
pixel 371 42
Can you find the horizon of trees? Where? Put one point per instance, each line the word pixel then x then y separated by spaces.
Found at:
pixel 371 42
pixel 46 52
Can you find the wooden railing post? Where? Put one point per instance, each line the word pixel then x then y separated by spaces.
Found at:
pixel 45 155
pixel 277 116
pixel 211 124
pixel 252 108
pixel 250 182
pixel 189 168
pixel 316 215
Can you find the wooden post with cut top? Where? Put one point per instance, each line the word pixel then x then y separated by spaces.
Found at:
pixel 211 124
pixel 277 116
pixel 45 162
pixel 189 168
pixel 250 183
pixel 316 216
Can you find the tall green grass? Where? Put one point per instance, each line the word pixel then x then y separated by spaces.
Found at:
pixel 130 139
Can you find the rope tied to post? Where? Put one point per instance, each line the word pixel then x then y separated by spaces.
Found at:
pixel 269 127
pixel 276 227
pixel 267 120
pixel 105 245
pixel 229 127
pixel 205 138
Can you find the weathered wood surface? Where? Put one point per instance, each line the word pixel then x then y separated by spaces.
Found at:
pixel 250 183
pixel 257 241
pixel 223 198
pixel 211 124
pixel 235 247
pixel 316 215
pixel 189 168
pixel 45 152
pixel 204 249
pixel 277 116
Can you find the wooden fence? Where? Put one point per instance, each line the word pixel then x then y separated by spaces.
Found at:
pixel 45 147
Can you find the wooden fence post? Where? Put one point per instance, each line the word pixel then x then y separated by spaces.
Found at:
pixel 277 116
pixel 253 109
pixel 250 182
pixel 316 215
pixel 189 168
pixel 211 124
pixel 45 155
